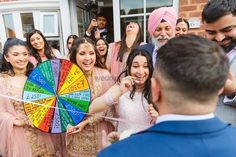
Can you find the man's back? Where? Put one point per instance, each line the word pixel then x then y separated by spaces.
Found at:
pixel 202 138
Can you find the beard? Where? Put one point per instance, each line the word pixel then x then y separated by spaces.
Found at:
pixel 155 41
pixel 229 47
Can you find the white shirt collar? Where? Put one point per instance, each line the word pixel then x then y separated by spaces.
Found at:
pixel 101 30
pixel 155 49
pixel 178 117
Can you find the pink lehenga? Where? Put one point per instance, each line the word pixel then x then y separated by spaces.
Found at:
pixel 88 142
pixel 24 141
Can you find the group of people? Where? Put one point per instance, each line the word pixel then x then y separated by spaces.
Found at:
pixel 193 83
pixel 165 92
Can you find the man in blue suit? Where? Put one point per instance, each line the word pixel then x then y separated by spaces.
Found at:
pixel 190 73
pixel 161 28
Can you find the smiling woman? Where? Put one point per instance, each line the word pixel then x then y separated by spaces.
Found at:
pixel 131 95
pixel 119 51
pixel 27 140
pixel 39 48
pixel 182 27
pixel 15 57
pixel 84 139
pixel 102 48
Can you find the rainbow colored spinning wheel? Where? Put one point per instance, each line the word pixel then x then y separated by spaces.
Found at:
pixel 56 94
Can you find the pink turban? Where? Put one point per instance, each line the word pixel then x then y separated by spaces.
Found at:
pixel 164 13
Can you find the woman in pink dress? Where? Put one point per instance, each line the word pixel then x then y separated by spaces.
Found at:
pixel 132 96
pixel 17 135
pixel 39 48
pixel 118 52
pixel 84 140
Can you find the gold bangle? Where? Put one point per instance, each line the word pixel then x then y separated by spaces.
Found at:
pixel 91 120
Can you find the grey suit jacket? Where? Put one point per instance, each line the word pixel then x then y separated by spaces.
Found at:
pixel 226 108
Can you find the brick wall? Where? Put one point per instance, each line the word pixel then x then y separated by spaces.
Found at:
pixel 192 9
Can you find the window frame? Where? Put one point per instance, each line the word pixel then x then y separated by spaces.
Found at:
pixel 56 23
pixel 116 13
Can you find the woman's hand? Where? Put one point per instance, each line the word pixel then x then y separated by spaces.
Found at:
pixel 19 122
pixel 77 128
pixel 92 25
pixel 28 122
pixel 153 113
pixel 230 84
pixel 110 138
pixel 126 84
pixel 97 35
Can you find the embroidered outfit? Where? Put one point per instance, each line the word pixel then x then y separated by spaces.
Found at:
pixel 134 112
pixel 88 142
pixel 16 141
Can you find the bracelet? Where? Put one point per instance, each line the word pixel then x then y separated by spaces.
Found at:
pixel 91 120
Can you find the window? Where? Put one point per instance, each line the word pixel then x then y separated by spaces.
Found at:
pixel 20 16
pixel 49 23
pixel 9 26
pixel 139 10
pixel 153 4
pixel 131 7
pixel 27 22
pixel 83 21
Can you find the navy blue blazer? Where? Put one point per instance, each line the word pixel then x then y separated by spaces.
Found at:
pixel 202 138
pixel 147 47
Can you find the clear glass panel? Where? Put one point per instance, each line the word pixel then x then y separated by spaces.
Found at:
pixel 81 21
pixel 131 7
pixel 48 22
pixel 9 26
pixel 125 20
pixel 153 4
pixel 27 22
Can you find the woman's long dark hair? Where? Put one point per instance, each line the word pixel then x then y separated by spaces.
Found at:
pixel 147 87
pixel 70 37
pixel 124 48
pixel 6 66
pixel 47 49
pixel 106 43
pixel 74 49
pixel 183 20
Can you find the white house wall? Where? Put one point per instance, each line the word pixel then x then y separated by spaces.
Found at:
pixel 37 6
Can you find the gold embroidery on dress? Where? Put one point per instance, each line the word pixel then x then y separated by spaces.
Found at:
pixel 32 134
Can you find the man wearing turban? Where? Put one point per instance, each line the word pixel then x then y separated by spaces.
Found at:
pixel 161 28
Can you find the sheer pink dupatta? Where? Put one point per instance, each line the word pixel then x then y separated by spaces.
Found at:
pixel 115 66
pixel 13 140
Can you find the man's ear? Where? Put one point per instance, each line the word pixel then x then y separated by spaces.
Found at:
pixel 221 91
pixel 155 90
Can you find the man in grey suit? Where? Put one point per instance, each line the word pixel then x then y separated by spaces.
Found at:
pixel 219 22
